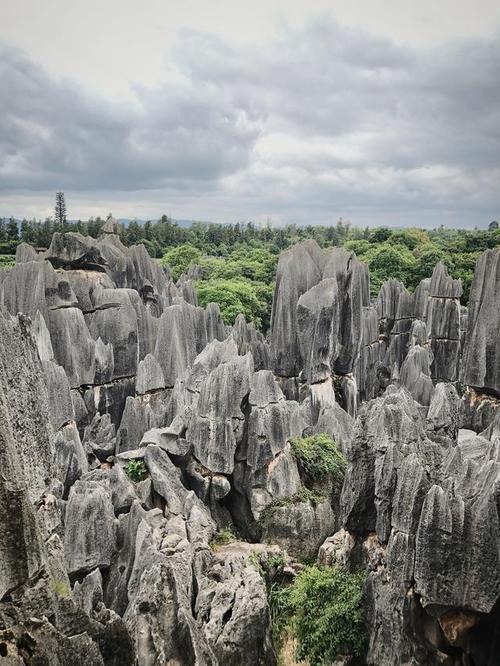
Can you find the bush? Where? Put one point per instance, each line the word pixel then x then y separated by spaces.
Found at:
pixel 7 260
pixel 136 470
pixel 234 297
pixel 318 458
pixel 223 537
pixel 325 604
pixel 180 258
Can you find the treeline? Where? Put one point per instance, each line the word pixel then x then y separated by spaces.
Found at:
pixel 238 261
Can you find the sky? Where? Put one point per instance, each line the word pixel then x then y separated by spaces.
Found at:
pixel 288 111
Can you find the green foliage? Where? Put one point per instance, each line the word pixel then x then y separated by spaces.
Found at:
pixel 180 258
pixel 318 458
pixel 321 608
pixel 60 587
pixel 223 537
pixel 136 470
pixel 325 605
pixel 234 297
pixel 278 598
pixel 7 261
pixel 241 258
pixel 388 261
pixel 271 568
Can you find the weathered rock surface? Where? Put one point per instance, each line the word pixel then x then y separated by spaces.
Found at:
pixel 481 367
pixel 120 370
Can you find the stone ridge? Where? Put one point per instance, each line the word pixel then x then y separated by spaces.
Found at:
pixel 136 428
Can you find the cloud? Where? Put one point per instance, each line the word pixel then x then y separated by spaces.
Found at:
pixel 322 122
pixel 51 132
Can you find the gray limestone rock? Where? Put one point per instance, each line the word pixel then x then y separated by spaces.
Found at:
pixel 72 250
pixel 481 367
pixel 300 527
pixel 299 269
pixel 249 339
pixel 318 313
pixel 216 329
pixel 181 337
pixel 443 323
pixel 61 408
pixel 141 413
pixel 234 614
pixel 90 531
pixel 24 434
pixel 100 436
pixel 415 374
pixel 88 594
pixel 446 411
pixel 73 346
pixel 25 253
pixel 71 459
pixel 149 376
pixel 217 426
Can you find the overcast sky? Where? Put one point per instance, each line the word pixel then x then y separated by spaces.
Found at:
pixel 382 112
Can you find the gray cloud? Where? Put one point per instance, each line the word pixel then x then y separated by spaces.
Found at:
pixel 51 132
pixel 324 121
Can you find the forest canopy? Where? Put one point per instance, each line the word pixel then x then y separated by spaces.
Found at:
pixel 237 262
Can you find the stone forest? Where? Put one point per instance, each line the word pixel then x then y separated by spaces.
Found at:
pixel 178 491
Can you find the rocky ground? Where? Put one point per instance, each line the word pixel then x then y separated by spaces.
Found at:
pixel 104 360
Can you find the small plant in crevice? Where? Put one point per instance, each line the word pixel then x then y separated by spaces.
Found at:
pixel 302 495
pixel 136 470
pixel 223 537
pixel 337 388
pixel 318 459
pixel 270 567
pixel 60 587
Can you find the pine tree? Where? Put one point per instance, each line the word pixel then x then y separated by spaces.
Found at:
pixel 60 210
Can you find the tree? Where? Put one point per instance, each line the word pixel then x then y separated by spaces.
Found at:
pixel 180 258
pixel 60 209
pixel 493 226
pixel 12 229
pixel 234 297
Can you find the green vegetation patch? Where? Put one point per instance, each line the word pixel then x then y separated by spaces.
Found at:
pixel 320 608
pixel 224 536
pixel 180 258
pixel 318 458
pixel 136 470
pixel 326 614
pixel 7 260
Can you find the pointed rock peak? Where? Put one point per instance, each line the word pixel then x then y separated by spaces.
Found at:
pixel 442 285
pixel 149 376
pixel 110 226
pixel 264 389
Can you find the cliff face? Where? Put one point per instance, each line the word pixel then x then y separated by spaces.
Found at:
pixel 111 362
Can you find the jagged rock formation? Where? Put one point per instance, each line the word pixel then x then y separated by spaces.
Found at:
pixel 112 362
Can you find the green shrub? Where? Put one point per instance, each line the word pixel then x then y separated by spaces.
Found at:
pixel 234 297
pixel 280 610
pixel 271 568
pixel 136 470
pixel 180 258
pixel 318 458
pixel 7 260
pixel 223 537
pixel 325 604
pixel 60 587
